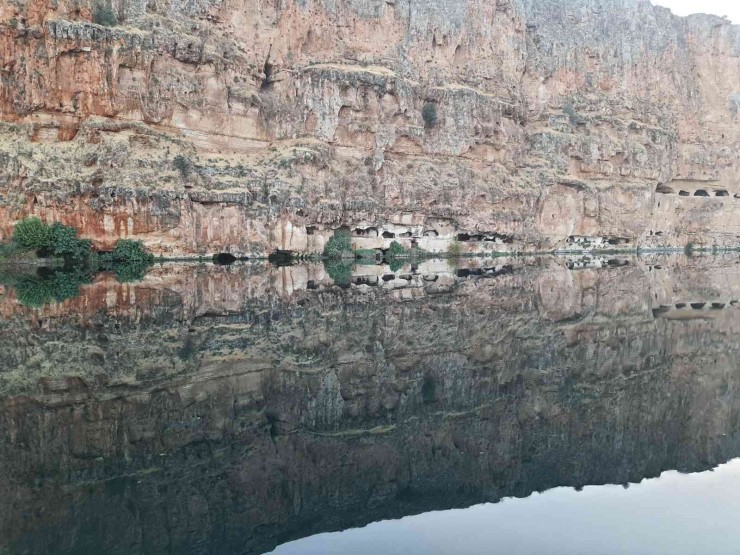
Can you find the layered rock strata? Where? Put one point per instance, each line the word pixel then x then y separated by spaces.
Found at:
pixel 250 127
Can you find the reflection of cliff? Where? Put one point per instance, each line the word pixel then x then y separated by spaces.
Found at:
pixel 233 415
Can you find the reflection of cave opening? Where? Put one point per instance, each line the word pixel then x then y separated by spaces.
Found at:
pixel 680 305
pixel 684 194
pixel 698 306
pixel 371 281
pixel 722 194
pixel 718 306
pixel 701 193
pixel 389 277
pixel 224 258
pixel 429 390
pixel 282 258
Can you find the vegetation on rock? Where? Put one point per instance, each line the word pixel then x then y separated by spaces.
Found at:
pixel 339 245
pixel 429 114
pixel 77 261
pixel 103 13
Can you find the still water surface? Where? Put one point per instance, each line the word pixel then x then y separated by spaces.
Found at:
pixel 524 405
pixel 674 514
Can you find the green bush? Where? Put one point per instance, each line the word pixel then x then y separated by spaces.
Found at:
pixel 103 13
pixel 339 246
pixel 129 260
pixel 64 242
pixel 182 164
pixel 429 114
pixel 32 234
pixel 396 250
pixel 128 250
pixel 57 239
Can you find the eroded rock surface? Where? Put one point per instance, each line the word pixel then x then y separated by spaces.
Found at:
pixel 249 127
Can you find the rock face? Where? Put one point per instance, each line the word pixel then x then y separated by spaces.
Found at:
pixel 249 127
pixel 215 410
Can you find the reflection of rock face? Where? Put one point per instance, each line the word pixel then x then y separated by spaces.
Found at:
pixel 246 127
pixel 229 415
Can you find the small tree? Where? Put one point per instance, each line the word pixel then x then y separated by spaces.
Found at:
pixel 339 246
pixel 429 114
pixel 396 250
pixel 182 164
pixel 103 13
pixel 32 233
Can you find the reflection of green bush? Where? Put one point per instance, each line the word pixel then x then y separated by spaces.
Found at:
pixel 37 290
pixel 340 272
pixel 366 254
pixel 129 260
pixel 395 264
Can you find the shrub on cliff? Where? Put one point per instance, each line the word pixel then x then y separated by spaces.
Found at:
pixel 182 164
pixel 32 234
pixel 339 246
pixel 129 251
pixel 103 13
pixel 129 260
pixel 396 250
pixel 429 114
pixel 63 242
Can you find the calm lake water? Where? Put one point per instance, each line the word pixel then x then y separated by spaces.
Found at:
pixel 523 405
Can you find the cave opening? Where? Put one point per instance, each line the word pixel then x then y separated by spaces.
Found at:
pixel 268 70
pixel 701 193
pixel 389 235
pixel 722 193
pixel 684 194
pixel 367 232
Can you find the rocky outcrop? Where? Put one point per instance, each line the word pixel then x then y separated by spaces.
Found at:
pixel 226 410
pixel 208 126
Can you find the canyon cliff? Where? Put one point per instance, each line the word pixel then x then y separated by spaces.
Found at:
pixel 214 126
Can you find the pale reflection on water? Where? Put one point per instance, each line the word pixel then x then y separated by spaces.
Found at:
pixel 675 514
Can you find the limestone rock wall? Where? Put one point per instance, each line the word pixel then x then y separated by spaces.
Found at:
pixel 215 126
